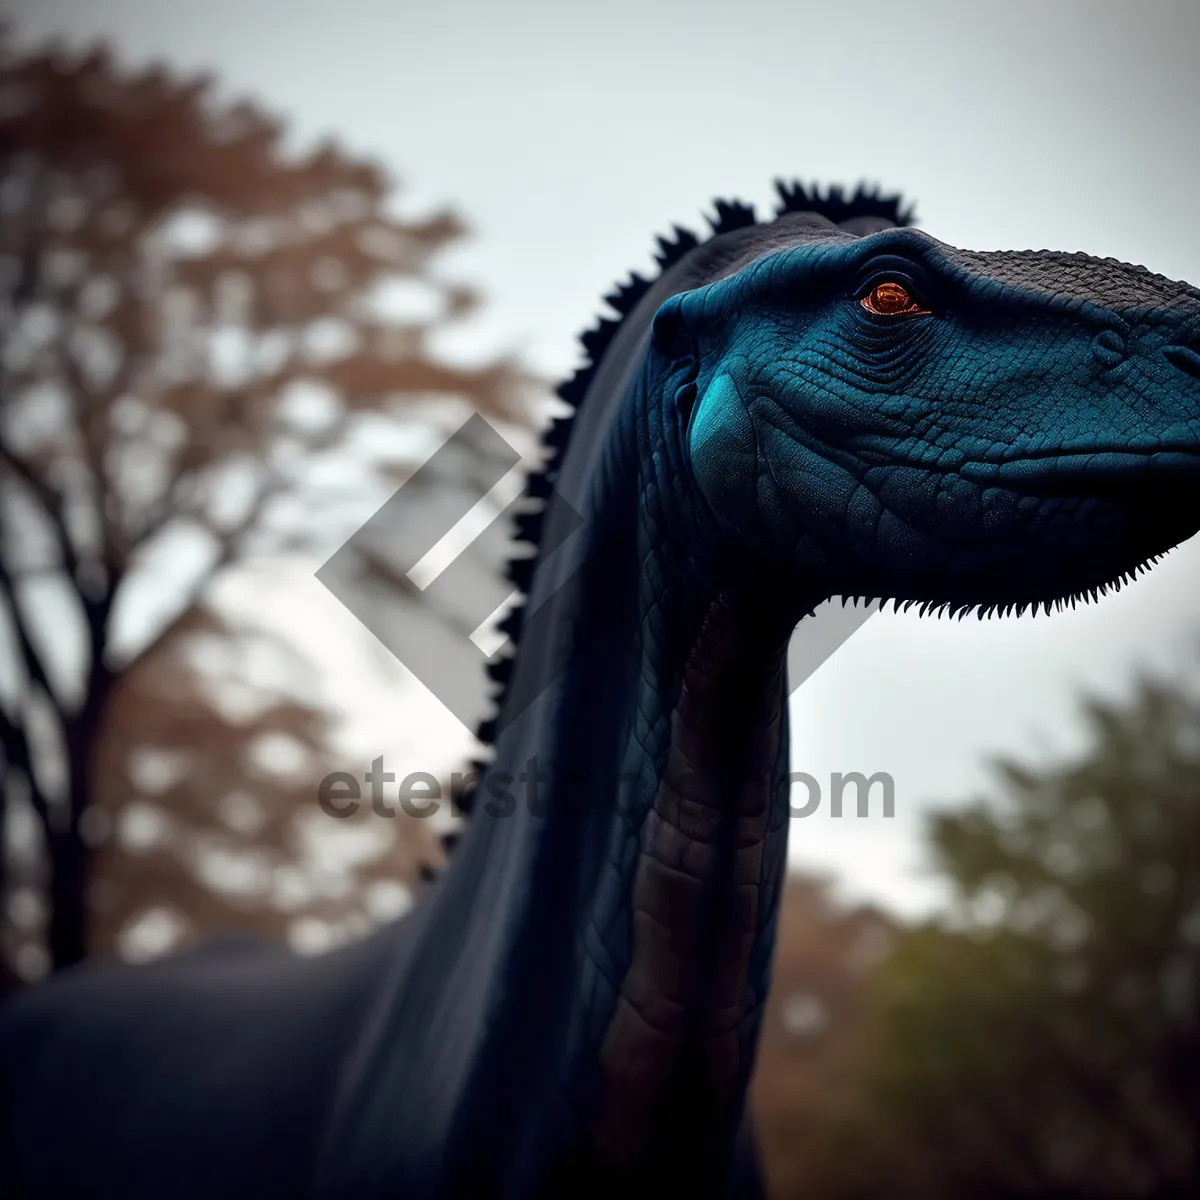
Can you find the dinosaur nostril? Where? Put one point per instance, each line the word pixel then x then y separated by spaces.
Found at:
pixel 1184 358
pixel 1109 348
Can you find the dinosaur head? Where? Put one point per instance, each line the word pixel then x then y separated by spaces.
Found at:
pixel 901 419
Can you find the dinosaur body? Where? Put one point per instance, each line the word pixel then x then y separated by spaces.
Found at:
pixel 826 403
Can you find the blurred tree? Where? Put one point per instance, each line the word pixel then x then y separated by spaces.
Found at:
pixel 815 1028
pixel 201 339
pixel 204 817
pixel 1046 1041
pixel 224 830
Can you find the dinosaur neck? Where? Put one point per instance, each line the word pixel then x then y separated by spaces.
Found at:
pixel 598 952
pixel 694 895
pixel 622 909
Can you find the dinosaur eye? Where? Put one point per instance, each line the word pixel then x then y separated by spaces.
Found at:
pixel 892 299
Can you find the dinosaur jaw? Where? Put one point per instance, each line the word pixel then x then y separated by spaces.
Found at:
pixel 1043 532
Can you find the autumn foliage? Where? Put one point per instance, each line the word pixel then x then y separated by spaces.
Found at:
pixel 197 330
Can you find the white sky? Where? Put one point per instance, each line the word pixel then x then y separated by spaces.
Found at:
pixel 569 134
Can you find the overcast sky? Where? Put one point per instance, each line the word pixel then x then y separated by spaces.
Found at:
pixel 569 134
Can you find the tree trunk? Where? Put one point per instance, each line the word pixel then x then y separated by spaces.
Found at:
pixel 67 938
pixel 9 982
pixel 70 858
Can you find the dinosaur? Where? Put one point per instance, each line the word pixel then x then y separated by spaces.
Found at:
pixel 829 402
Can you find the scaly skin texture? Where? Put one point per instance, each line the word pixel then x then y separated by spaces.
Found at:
pixel 673 1064
pixel 573 1009
pixel 1031 438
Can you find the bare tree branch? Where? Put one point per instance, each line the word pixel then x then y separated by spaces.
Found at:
pixel 16 750
pixel 30 657
pixel 51 505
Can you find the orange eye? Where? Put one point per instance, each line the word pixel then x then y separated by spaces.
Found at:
pixel 892 299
